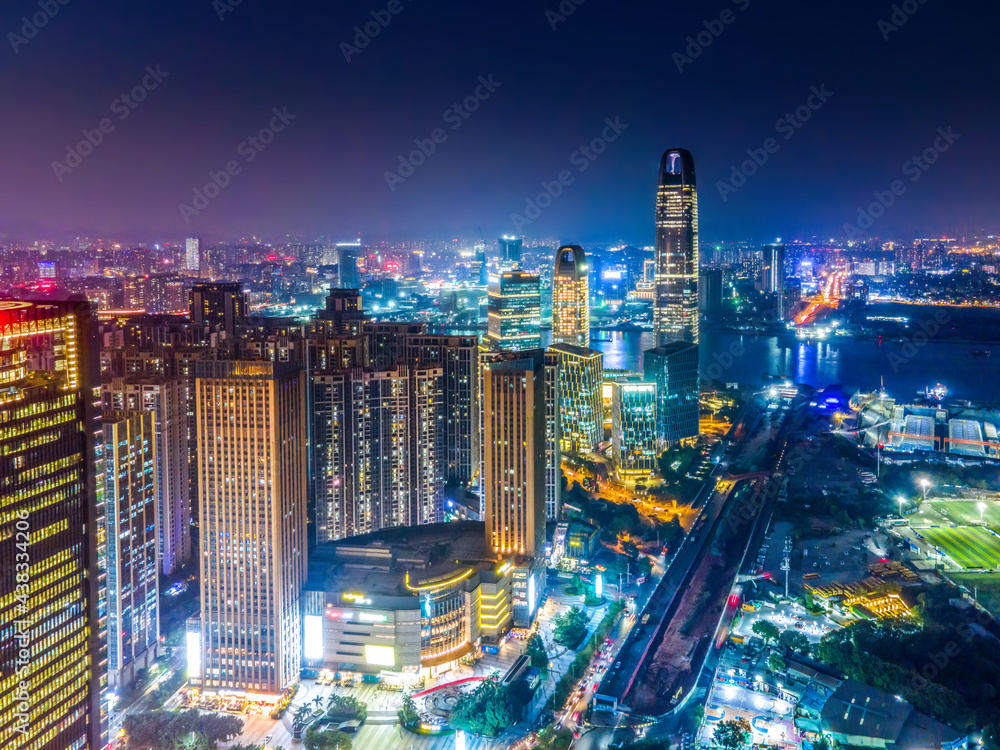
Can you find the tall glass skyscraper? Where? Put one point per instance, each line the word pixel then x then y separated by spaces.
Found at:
pixel 633 428
pixel 675 311
pixel 571 297
pixel 515 313
pixel 52 530
pixel 581 404
pixel 510 253
pixel 674 369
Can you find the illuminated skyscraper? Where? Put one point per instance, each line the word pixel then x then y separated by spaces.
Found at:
pixel 633 428
pixel 52 530
pixel 510 253
pixel 514 452
pixel 571 297
pixel 192 254
pixel 772 276
pixel 379 449
pixel 675 311
pixel 133 590
pixel 581 405
pixel 166 398
pixel 553 435
pixel 515 313
pixel 252 442
pixel 674 370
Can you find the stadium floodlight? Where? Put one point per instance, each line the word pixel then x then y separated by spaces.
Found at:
pixel 924 483
pixel 982 506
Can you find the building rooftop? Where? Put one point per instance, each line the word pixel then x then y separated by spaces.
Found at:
pixel 381 564
pixel 858 710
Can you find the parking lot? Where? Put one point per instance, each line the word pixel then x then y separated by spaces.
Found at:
pixel 786 617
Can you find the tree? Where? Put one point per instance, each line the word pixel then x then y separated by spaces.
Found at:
pixel 766 630
pixel 551 738
pixel 537 655
pixel 794 641
pixel 570 628
pixel 346 707
pixel 776 663
pixel 327 740
pixel 162 730
pixel 488 709
pixel 732 734
pixel 408 712
pixel 645 566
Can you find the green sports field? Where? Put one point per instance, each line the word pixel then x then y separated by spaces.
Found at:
pixel 986 586
pixel 961 512
pixel 969 546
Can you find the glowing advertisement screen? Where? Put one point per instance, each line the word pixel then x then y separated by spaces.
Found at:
pixel 312 645
pixel 194 654
pixel 382 656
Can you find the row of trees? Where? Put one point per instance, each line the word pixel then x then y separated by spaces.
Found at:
pixel 346 707
pixel 187 730
pixel 583 657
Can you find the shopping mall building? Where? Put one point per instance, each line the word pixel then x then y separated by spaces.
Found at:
pixel 413 601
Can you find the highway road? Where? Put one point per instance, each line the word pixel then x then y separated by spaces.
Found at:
pixel 613 691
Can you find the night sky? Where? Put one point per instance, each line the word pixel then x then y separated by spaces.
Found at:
pixel 325 172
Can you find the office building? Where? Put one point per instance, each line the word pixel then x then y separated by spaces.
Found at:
pixel 553 437
pixel 252 442
pixel 130 459
pixel 221 304
pixel 166 398
pixel 510 253
pixel 675 308
pixel 674 370
pixel 580 404
pixel 772 277
pixel 571 297
pixel 633 428
pixel 192 254
pixel 710 292
pixel 514 452
pixel 347 264
pixel 52 529
pixel 515 314
pixel 378 441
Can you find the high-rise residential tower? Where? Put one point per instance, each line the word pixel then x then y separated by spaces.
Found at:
pixel 515 313
pixel 675 311
pixel 166 398
pixel 514 452
pixel 252 442
pixel 221 304
pixel 571 297
pixel 192 254
pixel 133 591
pixel 53 675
